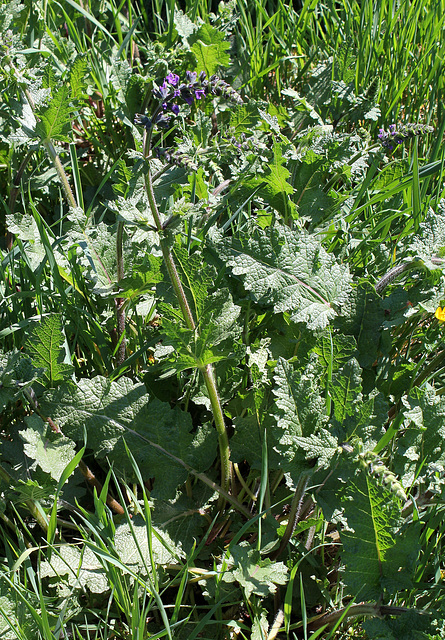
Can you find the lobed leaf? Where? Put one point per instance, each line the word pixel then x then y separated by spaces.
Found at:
pixel 288 271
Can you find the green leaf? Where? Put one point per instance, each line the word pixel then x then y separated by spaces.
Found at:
pixel 346 390
pixel 54 121
pixel 300 415
pixel 289 271
pixel 77 77
pixel 429 242
pixel 45 347
pixel 114 411
pixel 244 118
pixel 273 185
pixel 422 445
pixel 217 336
pixel 80 566
pixel 254 574
pixel 51 451
pixel 210 49
pixel 16 372
pixel 376 555
pixel 363 313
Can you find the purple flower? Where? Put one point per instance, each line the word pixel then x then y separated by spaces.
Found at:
pixel 172 79
pixel 175 109
pixel 191 76
pixel 397 134
pixel 199 93
pixel 163 91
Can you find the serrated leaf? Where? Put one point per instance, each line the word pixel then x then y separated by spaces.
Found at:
pixel 80 566
pixel 429 242
pixel 210 49
pixel 44 346
pixel 216 337
pixel 300 412
pixel 133 556
pixel 183 25
pixel 77 77
pixel 346 390
pixel 244 118
pixel 254 574
pixel 322 446
pixel 51 451
pixel 114 411
pixel 54 121
pixel 362 316
pixel 375 554
pixel 272 121
pixel 289 271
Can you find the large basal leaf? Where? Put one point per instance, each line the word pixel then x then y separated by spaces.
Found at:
pixel 45 346
pixel 112 412
pixel 289 271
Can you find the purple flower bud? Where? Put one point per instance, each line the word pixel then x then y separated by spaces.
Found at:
pixel 142 121
pixel 187 95
pixel 162 120
pixel 175 109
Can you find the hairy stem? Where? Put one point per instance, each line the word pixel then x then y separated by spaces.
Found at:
pixel 207 371
pixel 120 302
pixel 60 172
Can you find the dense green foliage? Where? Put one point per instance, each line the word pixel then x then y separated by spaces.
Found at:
pixel 221 294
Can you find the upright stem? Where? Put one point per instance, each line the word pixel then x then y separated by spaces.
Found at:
pixel 206 371
pixel 119 302
pixel 60 172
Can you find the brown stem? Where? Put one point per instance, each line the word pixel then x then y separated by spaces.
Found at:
pixel 294 514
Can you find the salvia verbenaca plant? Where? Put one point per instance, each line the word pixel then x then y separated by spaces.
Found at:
pixel 169 95
pixel 397 134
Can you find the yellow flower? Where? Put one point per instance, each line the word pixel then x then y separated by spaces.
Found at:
pixel 440 314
